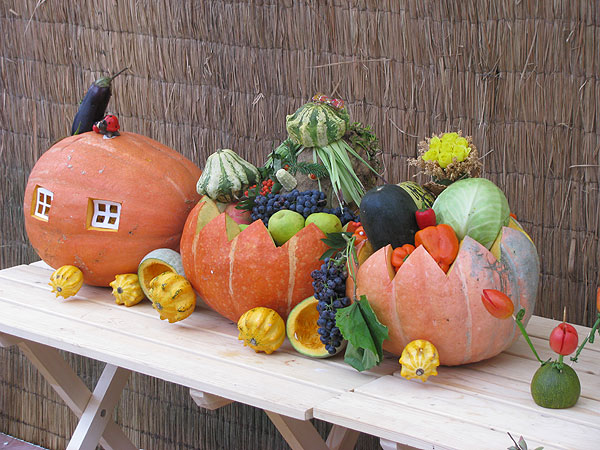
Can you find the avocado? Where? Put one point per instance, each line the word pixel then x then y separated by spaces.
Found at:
pixel 387 214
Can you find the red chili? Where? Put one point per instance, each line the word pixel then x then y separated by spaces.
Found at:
pixel 497 303
pixel 425 218
pixel 564 339
pixel 352 226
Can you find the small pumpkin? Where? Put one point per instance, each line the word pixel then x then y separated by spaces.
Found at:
pixel 302 330
pixel 172 296
pixel 127 290
pixel 317 124
pixel 261 329
pixel 156 262
pixel 66 281
pixel 226 176
pixel 419 359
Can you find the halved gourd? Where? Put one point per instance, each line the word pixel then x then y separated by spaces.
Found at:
pixel 156 262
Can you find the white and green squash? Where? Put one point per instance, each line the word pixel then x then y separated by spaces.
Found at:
pixel 226 176
pixel 317 124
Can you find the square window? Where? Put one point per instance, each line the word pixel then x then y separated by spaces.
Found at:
pixel 105 214
pixel 43 202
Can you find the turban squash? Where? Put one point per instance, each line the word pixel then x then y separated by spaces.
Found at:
pixel 102 204
pixel 235 271
pixel 420 301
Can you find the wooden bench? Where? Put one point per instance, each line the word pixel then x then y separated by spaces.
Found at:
pixel 464 407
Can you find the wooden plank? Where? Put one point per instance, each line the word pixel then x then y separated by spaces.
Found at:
pixel 475 382
pixel 164 357
pixel 98 411
pixel 207 320
pixel 482 410
pixel 299 434
pixel 514 368
pixel 419 428
pixel 71 389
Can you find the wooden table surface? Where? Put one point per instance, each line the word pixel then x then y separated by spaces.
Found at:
pixel 464 407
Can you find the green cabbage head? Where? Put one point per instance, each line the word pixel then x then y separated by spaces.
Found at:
pixel 473 207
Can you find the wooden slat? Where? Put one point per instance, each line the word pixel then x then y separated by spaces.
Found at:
pixel 178 353
pixel 420 428
pixel 470 406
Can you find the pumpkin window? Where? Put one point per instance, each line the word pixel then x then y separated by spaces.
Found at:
pixel 103 214
pixel 42 202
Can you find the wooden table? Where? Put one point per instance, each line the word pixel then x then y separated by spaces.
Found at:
pixel 464 407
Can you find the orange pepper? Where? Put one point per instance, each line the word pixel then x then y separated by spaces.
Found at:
pixel 400 254
pixel 359 235
pixel 352 226
pixel 441 243
pixel 598 299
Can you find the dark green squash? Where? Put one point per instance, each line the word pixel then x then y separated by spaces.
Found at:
pixel 387 214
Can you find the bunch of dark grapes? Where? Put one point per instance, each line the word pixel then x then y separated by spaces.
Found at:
pixel 305 203
pixel 330 290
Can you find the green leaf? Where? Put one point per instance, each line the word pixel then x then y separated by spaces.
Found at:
pixel 522 443
pixel 520 314
pixel 359 325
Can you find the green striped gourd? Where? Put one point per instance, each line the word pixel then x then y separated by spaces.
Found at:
pixel 226 176
pixel 317 124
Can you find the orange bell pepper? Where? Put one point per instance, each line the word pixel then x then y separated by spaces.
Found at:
pixel 441 243
pixel 400 254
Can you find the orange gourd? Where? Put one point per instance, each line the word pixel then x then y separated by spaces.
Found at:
pixel 235 271
pixel 102 204
pixel 420 301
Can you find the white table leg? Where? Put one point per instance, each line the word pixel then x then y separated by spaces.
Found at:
pixel 341 438
pixel 391 445
pixel 71 389
pixel 99 409
pixel 299 434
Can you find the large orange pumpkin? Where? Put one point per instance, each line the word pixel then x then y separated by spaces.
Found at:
pixel 102 204
pixel 235 271
pixel 422 302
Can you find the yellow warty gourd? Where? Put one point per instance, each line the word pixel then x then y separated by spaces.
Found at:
pixel 419 359
pixel 66 281
pixel 172 296
pixel 262 329
pixel 127 290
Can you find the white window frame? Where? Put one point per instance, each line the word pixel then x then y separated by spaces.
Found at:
pixel 102 209
pixel 41 202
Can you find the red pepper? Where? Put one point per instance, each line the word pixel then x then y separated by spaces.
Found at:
pixel 425 218
pixel 497 303
pixel 400 254
pixel 440 242
pixel 598 299
pixel 564 339
pixel 359 235
pixel 352 226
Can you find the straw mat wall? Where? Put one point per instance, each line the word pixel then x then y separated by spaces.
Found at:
pixel 521 77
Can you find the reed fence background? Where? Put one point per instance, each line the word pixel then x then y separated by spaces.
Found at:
pixel 521 77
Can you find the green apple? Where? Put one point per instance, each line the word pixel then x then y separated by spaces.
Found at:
pixel 284 224
pixel 327 223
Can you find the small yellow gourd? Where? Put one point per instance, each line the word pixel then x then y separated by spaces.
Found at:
pixel 262 329
pixel 172 296
pixel 126 289
pixel 419 359
pixel 66 281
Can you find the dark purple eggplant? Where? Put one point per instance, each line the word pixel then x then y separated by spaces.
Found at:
pixel 93 105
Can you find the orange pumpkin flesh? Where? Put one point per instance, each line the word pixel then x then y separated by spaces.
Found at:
pixel 235 271
pixel 154 184
pixel 422 302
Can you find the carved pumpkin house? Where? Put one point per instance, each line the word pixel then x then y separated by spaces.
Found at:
pixel 102 204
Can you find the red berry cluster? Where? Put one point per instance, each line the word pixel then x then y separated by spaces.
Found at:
pixel 267 187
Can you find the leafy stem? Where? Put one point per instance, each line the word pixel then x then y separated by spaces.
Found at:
pixel 518 320
pixel 590 337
